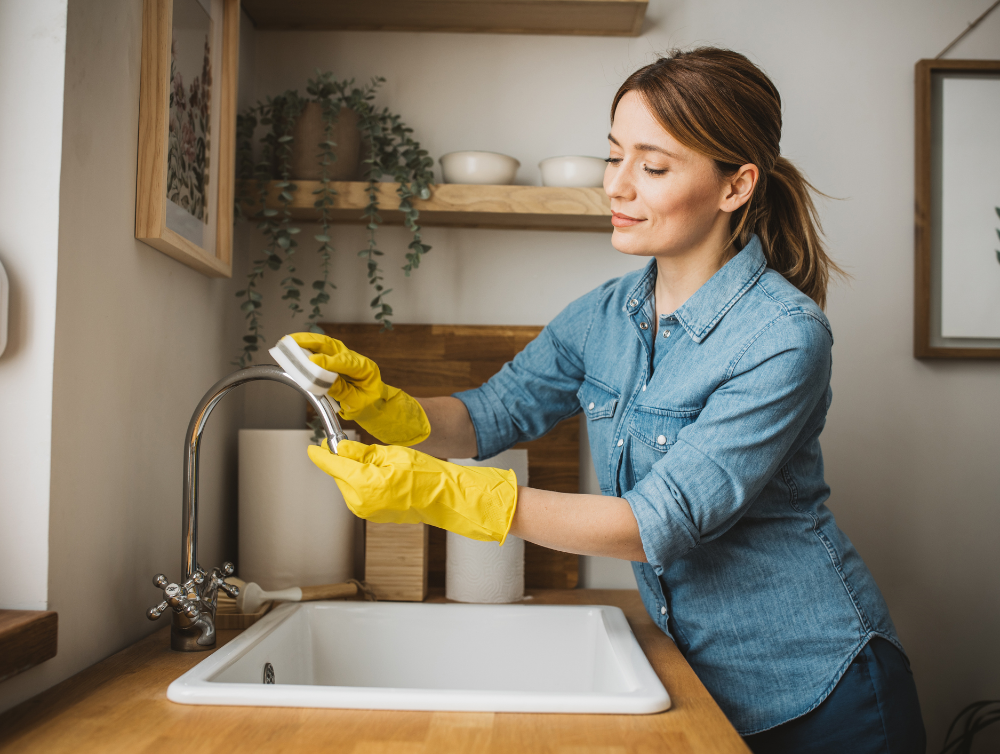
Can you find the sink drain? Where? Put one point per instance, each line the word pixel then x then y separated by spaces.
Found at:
pixel 268 673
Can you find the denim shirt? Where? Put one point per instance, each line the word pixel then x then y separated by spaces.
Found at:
pixel 708 422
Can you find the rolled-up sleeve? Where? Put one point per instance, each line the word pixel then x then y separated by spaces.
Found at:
pixel 537 389
pixel 749 427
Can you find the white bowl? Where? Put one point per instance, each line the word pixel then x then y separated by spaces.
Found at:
pixel 573 170
pixel 479 167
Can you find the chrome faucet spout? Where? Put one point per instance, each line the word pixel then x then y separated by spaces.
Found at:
pixel 194 604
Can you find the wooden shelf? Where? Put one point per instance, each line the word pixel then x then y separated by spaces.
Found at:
pixel 606 18
pixel 27 638
pixel 457 205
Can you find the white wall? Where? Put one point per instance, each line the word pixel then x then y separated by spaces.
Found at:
pixel 910 445
pixel 32 39
pixel 138 339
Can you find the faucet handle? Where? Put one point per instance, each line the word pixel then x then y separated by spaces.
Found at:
pixel 216 582
pixel 175 597
pixel 219 576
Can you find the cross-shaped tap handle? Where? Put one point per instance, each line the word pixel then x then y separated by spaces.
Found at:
pixel 218 579
pixel 175 597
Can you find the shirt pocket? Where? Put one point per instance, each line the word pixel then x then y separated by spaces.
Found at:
pixel 652 432
pixel 599 403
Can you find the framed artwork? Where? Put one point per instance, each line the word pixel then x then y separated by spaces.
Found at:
pixel 187 131
pixel 957 302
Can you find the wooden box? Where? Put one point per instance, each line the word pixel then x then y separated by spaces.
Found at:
pixel 396 560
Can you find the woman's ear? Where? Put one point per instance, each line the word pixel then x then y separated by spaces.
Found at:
pixel 739 187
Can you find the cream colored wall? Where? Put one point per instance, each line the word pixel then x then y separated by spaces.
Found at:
pixel 910 446
pixel 32 38
pixel 139 338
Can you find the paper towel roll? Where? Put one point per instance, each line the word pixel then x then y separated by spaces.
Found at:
pixel 294 528
pixel 483 571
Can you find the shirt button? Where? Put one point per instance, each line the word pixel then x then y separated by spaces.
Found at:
pixel 644 388
pixel 633 302
pixel 591 406
pixel 663 610
pixel 643 326
pixel 661 440
pixel 666 333
pixel 620 443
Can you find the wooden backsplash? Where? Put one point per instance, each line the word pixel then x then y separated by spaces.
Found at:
pixel 434 360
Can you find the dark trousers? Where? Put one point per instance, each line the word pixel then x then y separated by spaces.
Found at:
pixel 873 709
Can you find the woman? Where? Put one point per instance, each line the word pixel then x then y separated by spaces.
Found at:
pixel 705 380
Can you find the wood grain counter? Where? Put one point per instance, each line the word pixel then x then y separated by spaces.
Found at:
pixel 120 705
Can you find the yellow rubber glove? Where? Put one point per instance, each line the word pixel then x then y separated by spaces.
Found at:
pixel 391 484
pixel 386 412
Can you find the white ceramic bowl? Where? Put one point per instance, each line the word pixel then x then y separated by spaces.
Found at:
pixel 479 167
pixel 573 170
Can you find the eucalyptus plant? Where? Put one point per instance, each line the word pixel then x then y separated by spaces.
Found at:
pixel 390 151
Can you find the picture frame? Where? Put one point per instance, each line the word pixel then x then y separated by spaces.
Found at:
pixel 187 131
pixel 957 222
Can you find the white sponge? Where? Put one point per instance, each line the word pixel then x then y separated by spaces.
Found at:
pixel 295 361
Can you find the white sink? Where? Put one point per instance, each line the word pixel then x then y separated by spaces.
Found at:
pixel 495 658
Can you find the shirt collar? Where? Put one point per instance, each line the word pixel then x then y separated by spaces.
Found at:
pixel 709 304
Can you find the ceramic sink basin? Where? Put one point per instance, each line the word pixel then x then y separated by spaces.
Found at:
pixel 407 656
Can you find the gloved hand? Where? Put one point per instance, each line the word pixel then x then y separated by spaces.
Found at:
pixel 386 412
pixel 390 484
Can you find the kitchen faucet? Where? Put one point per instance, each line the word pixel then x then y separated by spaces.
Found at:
pixel 194 600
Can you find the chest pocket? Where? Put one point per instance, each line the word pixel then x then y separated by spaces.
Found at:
pixel 599 403
pixel 652 432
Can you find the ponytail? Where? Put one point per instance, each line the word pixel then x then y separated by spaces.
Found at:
pixel 718 103
pixel 784 218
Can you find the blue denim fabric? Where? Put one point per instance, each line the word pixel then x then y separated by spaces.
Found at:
pixel 873 710
pixel 712 435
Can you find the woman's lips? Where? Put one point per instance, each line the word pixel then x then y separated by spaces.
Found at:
pixel 624 221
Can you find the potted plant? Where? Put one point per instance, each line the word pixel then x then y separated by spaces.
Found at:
pixel 381 143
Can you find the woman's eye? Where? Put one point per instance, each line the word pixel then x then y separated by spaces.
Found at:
pixel 613 160
pixel 654 171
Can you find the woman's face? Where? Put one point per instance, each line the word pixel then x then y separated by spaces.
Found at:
pixel 667 199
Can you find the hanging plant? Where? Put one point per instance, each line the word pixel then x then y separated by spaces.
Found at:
pixel 389 151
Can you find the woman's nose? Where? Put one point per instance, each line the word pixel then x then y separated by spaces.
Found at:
pixel 618 182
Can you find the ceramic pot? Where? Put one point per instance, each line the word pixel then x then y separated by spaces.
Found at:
pixel 488 168
pixel 309 132
pixel 573 170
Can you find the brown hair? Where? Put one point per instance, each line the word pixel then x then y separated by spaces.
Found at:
pixel 718 103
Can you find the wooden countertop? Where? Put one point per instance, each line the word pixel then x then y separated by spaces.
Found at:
pixel 120 705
